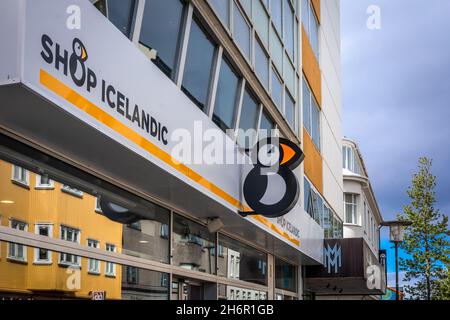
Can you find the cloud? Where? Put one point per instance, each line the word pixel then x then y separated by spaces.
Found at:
pixel 396 91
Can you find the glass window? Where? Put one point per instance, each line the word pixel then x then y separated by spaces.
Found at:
pixel 222 8
pixel 277 12
pixel 242 262
pixel 262 64
pixel 311 115
pixel 110 268
pixel 289 110
pixel 226 97
pixel 315 123
pixel 193 246
pixel 276 49
pixel 314 33
pixel 305 15
pixel 71 235
pixel 43 182
pixel 43 256
pixel 289 28
pixel 261 21
pixel 306 98
pixel 20 175
pixel 241 32
pixel 277 90
pixel 17 251
pixel 93 264
pixel 120 13
pixel 248 121
pixel 71 190
pixel 285 276
pixel 199 61
pixel 266 126
pixel 161 25
pixel 351 208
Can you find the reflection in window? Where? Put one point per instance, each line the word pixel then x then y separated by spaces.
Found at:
pixel 160 31
pixel 199 61
pixel 17 251
pixel 242 262
pixel 248 121
pixel 93 264
pixel 226 98
pixel 223 10
pixel 110 268
pixel 20 175
pixel 193 246
pixel 42 256
pixel 285 276
pixel 119 12
pixel 71 235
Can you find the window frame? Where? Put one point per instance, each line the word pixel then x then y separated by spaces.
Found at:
pixel 16 258
pixel 41 186
pixel 49 260
pixel 24 179
pixel 355 206
pixel 97 271
pixel 110 265
pixel 77 259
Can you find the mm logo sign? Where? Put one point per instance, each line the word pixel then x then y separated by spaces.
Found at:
pixel 333 257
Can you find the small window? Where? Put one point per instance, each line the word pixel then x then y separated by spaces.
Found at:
pixel 119 12
pixel 73 191
pixel 71 235
pixel 44 182
pixel 160 31
pixel 43 256
pixel 241 31
pixel 351 207
pixel 222 7
pixel 289 110
pixel 132 275
pixel 276 11
pixel 110 268
pixel 16 251
pixel 226 97
pixel 248 121
pixel 266 126
pixel 93 264
pixel 198 66
pixel 311 114
pixel 262 64
pixel 20 175
pixel 277 90
pixel 98 207
pixel 289 32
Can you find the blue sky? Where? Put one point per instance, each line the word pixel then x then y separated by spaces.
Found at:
pixel 396 94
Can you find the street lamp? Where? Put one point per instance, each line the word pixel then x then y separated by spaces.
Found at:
pixel 396 235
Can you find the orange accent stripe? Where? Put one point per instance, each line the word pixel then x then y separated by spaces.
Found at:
pixel 97 113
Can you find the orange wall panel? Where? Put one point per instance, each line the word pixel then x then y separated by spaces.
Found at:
pixel 316 6
pixel 311 68
pixel 313 162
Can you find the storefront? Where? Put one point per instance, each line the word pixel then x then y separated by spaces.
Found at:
pixel 92 204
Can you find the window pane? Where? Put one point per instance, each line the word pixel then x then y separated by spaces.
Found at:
pixel 277 90
pixel 289 28
pixel 266 125
pixel 315 118
pixel 160 31
pixel 314 34
pixel 242 262
pixel 285 276
pixel 261 21
pixel 305 15
pixel 199 60
pixel 222 8
pixel 290 110
pixel 249 117
pixel 306 98
pixel 262 64
pixel 226 98
pixel 120 12
pixel 241 32
pixel 276 12
pixel 193 246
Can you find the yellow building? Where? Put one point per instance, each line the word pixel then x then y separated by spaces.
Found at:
pixel 36 204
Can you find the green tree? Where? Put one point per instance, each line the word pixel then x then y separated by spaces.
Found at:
pixel 426 240
pixel 443 289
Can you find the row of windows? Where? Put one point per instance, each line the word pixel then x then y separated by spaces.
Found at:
pixel 321 212
pixel 18 252
pixel 203 72
pixel 366 220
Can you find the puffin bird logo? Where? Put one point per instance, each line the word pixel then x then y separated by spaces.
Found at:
pixel 77 62
pixel 274 162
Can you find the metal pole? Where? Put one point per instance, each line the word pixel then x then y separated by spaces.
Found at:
pixel 397 295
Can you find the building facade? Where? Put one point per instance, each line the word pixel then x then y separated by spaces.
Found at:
pixel 97 95
pixel 354 267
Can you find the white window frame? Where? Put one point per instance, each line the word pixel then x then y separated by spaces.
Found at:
pixel 70 190
pixel 36 260
pixel 41 186
pixel 110 265
pixel 354 204
pixel 97 207
pixel 24 181
pixel 96 262
pixel 77 259
pixel 16 245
